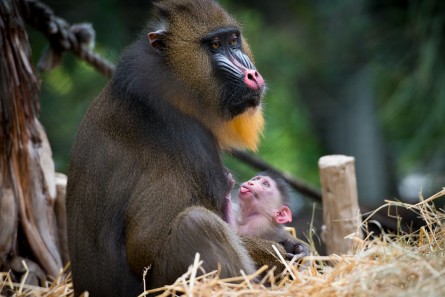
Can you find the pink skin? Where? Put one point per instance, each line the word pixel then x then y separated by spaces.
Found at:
pixel 261 207
pixel 253 79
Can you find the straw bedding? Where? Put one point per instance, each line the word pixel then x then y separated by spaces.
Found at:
pixel 388 265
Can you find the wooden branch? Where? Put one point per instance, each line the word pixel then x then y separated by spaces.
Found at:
pixel 341 213
pixel 62 37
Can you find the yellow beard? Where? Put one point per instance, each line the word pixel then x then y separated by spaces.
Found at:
pixel 243 131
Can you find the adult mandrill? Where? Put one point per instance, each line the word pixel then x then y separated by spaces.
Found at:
pixel 146 184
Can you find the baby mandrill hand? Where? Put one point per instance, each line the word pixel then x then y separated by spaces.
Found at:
pixel 295 247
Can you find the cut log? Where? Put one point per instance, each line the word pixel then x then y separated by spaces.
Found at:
pixel 341 212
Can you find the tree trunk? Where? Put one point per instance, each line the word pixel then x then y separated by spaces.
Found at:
pixel 28 193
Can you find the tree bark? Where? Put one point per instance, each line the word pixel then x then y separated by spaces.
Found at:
pixel 27 178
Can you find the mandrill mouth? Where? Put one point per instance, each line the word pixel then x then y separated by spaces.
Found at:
pixel 244 190
pixel 245 193
pixel 241 98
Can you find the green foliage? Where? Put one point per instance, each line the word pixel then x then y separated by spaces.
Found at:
pixel 410 84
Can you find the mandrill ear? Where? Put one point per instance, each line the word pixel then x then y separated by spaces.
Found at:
pixel 282 215
pixel 157 39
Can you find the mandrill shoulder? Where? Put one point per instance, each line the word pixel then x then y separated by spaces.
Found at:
pixel 142 75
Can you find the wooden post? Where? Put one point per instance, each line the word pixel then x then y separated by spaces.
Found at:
pixel 340 204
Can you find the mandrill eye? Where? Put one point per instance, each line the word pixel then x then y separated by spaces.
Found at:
pixel 234 39
pixel 215 44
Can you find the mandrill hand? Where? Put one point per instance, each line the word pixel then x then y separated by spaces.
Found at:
pixel 230 180
pixel 295 247
pixel 228 214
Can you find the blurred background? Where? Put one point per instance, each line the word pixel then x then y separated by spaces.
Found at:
pixel 365 78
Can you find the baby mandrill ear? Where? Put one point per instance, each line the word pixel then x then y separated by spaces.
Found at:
pixel 282 215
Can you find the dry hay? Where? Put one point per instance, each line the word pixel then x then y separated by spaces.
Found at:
pixel 59 287
pixel 389 265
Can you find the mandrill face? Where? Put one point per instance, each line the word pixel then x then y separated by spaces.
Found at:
pixel 242 85
pixel 259 196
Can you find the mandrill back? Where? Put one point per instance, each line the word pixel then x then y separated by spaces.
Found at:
pixel 146 184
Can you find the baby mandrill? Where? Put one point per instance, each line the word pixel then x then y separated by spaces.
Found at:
pixel 263 210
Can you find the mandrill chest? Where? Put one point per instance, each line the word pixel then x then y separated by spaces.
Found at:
pixel 210 182
pixel 199 175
